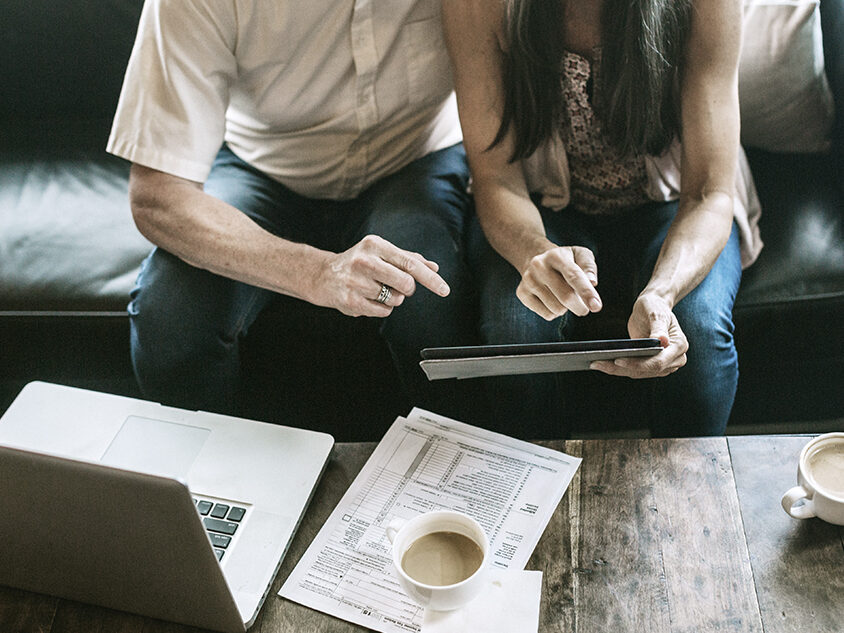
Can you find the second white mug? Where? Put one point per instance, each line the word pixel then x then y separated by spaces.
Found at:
pixel 825 498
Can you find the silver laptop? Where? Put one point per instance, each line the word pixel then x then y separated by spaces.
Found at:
pixel 178 515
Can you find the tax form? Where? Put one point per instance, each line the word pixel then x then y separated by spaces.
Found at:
pixel 426 462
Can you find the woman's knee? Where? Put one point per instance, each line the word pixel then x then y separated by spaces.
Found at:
pixel 706 313
pixel 707 321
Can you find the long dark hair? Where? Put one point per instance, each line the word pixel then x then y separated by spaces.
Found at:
pixel 638 99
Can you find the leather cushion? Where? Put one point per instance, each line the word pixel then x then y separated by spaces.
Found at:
pixel 67 239
pixel 802 228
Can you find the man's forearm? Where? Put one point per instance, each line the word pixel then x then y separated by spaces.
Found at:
pixel 211 234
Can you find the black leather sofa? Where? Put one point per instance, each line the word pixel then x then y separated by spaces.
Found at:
pixel 69 252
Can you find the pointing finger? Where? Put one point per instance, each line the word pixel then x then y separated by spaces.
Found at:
pixel 417 267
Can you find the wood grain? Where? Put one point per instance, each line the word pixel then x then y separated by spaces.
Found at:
pixel 619 574
pixel 662 547
pixel 707 566
pixel 798 565
pixel 555 552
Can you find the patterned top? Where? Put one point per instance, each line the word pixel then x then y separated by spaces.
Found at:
pixel 602 180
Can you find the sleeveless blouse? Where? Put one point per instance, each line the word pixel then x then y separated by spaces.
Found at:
pixel 602 180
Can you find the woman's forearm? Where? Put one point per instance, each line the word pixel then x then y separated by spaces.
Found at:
pixel 511 223
pixel 694 241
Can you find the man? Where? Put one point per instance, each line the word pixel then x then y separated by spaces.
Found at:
pixel 306 149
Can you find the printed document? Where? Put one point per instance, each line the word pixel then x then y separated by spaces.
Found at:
pixel 426 462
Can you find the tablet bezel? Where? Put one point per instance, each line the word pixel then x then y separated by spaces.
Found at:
pixel 518 349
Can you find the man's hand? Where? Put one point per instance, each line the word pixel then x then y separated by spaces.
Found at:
pixel 652 317
pixel 351 281
pixel 560 279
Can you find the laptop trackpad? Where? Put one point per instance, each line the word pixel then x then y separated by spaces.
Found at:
pixel 156 447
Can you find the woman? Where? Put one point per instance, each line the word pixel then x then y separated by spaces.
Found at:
pixel 603 139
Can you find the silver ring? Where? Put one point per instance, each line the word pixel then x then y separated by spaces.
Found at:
pixel 385 294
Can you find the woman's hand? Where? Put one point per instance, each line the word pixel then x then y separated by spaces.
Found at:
pixel 560 279
pixel 652 317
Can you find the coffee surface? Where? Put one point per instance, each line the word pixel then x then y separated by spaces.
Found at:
pixel 826 465
pixel 442 558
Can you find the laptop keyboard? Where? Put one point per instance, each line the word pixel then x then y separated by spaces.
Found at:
pixel 221 521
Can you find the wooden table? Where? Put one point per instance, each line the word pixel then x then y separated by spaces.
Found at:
pixel 652 535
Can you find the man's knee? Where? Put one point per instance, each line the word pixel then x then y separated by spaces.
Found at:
pixel 178 311
pixel 164 340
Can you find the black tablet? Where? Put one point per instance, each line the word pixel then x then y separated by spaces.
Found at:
pixel 528 358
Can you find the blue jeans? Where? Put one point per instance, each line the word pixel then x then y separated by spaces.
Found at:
pixel 187 323
pixel 695 400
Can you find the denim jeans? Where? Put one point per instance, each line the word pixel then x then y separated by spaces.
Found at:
pixel 187 323
pixel 695 400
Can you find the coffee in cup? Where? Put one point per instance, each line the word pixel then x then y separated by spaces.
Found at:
pixel 826 467
pixel 440 558
pixel 820 478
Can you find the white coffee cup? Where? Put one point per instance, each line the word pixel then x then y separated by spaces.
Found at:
pixel 439 597
pixel 823 499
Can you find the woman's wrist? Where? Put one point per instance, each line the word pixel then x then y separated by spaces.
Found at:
pixel 528 250
pixel 659 292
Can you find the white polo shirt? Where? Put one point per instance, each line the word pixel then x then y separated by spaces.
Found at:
pixel 324 96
